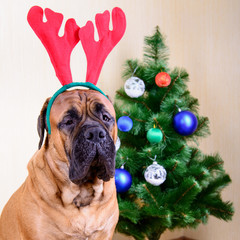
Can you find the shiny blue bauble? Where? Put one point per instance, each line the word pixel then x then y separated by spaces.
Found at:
pixel 123 180
pixel 185 123
pixel 125 123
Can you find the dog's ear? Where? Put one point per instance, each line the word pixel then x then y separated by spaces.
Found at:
pixel 42 123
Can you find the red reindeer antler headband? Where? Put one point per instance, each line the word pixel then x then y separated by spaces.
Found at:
pixel 59 48
pixel 97 52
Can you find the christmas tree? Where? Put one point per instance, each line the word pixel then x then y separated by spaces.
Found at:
pixel 173 184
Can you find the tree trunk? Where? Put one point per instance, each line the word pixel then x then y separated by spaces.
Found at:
pixel 155 236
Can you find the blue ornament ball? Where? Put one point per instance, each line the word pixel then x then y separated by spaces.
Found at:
pixel 125 124
pixel 185 123
pixel 123 180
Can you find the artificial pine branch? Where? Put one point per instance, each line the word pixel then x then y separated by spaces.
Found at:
pixel 144 185
pixel 155 48
pixel 133 100
pixel 157 123
pixel 169 89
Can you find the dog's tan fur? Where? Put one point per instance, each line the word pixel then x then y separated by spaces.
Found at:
pixel 46 206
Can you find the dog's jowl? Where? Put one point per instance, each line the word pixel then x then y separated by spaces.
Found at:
pixel 70 191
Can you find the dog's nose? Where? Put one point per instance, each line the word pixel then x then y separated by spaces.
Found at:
pixel 95 134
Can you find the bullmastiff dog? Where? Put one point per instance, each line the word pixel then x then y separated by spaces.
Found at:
pixel 70 189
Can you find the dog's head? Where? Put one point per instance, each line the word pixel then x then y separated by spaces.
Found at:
pixel 83 133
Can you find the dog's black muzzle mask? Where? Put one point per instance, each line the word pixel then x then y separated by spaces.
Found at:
pixel 93 155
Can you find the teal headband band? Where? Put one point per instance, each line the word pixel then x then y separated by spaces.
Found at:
pixel 63 89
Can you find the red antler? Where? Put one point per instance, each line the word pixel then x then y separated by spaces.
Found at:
pixel 96 52
pixel 59 48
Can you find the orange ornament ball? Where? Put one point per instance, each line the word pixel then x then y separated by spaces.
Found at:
pixel 162 79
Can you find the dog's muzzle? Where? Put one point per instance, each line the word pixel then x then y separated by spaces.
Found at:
pixel 93 155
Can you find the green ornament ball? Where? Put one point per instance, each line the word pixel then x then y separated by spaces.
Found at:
pixel 154 135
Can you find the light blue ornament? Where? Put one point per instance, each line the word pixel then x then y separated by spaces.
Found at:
pixel 125 124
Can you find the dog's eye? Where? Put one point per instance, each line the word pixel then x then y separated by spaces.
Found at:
pixel 69 122
pixel 106 118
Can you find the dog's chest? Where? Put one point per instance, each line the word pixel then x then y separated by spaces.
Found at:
pixel 80 196
pixel 85 207
pixel 91 220
pixel 98 216
pixel 85 197
pixel 95 220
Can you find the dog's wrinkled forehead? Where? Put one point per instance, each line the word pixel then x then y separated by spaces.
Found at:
pixel 84 101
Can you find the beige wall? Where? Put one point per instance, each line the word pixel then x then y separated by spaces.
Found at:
pixel 204 38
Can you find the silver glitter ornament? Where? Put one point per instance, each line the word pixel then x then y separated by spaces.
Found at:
pixel 134 87
pixel 155 174
pixel 117 144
